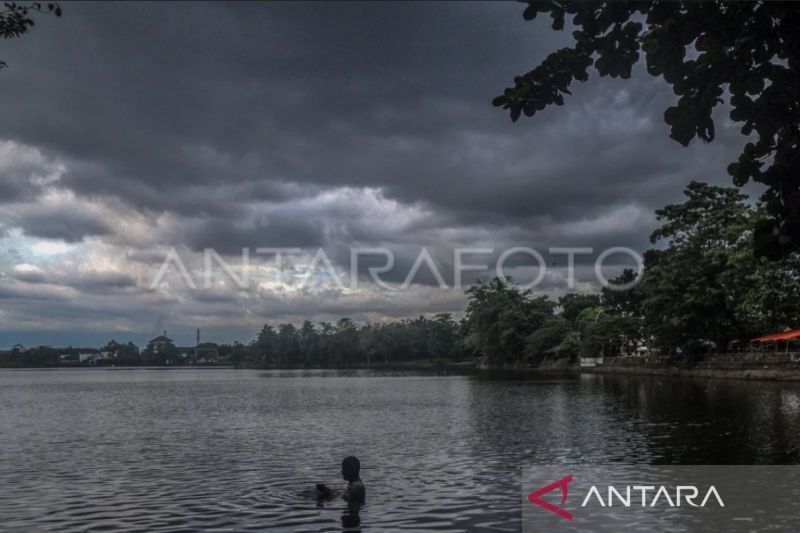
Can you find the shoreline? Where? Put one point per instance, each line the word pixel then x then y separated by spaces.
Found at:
pixel 702 371
pixel 742 374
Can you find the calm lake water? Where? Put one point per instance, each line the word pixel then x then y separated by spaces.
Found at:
pixel 238 450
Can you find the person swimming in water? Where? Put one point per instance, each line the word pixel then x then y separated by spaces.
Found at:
pixel 355 493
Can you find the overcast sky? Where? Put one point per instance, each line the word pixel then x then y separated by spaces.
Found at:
pixel 131 129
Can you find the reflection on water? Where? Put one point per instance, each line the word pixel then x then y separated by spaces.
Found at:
pixel 240 450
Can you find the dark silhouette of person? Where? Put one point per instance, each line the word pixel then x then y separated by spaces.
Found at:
pixel 355 493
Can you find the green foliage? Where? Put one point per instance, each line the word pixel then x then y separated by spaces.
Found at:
pixel 42 356
pixel 707 284
pixel 609 334
pixel 346 344
pixel 127 354
pixel 572 304
pixel 626 302
pixel 442 336
pixel 500 317
pixel 570 347
pixel 748 52
pixel 544 341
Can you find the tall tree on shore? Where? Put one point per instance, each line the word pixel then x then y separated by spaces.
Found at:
pixel 747 52
pixel 441 341
pixel 288 346
pixel 627 302
pixel 265 347
pixel 685 297
pixel 309 344
pixel 573 303
pixel 500 317
pixel 706 284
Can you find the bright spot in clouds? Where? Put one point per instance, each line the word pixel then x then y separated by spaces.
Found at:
pixel 50 247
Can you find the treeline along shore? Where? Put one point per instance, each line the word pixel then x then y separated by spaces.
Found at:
pixel 704 292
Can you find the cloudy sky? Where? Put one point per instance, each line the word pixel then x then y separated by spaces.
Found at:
pixel 129 130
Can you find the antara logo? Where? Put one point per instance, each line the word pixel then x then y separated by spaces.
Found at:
pixel 536 497
pixel 687 493
pixel 627 496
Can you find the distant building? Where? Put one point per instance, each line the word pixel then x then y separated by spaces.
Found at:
pixel 206 352
pixel 87 355
pixel 68 358
pixel 160 344
pixel 186 353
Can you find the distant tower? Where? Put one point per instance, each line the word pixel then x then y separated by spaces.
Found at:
pixel 198 336
pixel 165 333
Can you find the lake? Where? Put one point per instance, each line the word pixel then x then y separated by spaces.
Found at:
pixel 239 450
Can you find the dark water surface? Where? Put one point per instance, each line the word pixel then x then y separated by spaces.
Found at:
pixel 236 450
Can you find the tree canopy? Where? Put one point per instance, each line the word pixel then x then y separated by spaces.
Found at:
pixel 706 285
pixel 747 52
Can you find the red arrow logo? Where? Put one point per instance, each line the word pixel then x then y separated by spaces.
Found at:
pixel 536 497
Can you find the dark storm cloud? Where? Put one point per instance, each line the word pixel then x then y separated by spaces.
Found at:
pixel 92 282
pixel 16 185
pixel 229 237
pixel 98 281
pixel 65 223
pixel 167 106
pixel 29 276
pixel 231 125
pixel 27 294
pixel 160 98
pixel 22 173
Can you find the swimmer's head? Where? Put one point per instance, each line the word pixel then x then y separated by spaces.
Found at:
pixel 351 467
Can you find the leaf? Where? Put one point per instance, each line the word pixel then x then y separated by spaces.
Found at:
pixel 530 12
pixel 500 100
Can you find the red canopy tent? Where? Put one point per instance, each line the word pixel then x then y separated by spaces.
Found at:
pixel 783 336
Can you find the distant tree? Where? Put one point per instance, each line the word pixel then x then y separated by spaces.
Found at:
pixel 570 347
pixel 15 18
pixel 626 302
pixel 225 351
pixel 111 347
pixel 545 340
pixel 764 295
pixel 41 356
pixel 287 347
pixel 706 286
pixel 500 317
pixel 238 354
pixel 128 354
pixel 327 349
pixel 608 334
pixel 347 346
pixel 441 336
pixel 417 334
pixel 572 304
pixel 309 344
pixel 747 51
pixel 266 347
pixel 686 297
